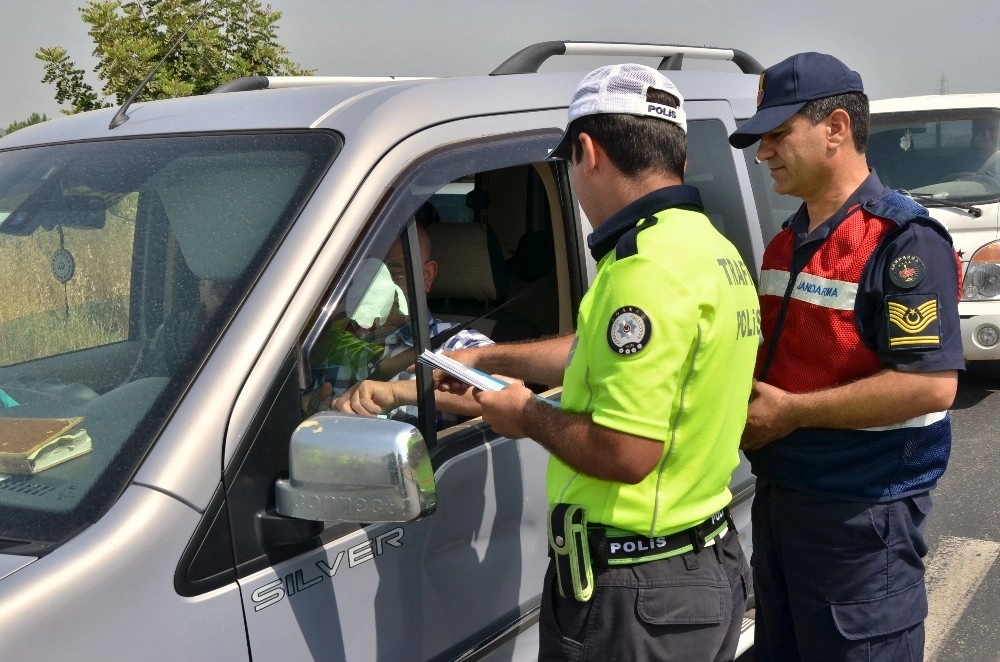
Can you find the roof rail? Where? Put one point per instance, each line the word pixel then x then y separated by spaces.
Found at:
pixel 249 83
pixel 528 60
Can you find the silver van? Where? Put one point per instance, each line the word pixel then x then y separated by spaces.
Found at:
pixel 176 285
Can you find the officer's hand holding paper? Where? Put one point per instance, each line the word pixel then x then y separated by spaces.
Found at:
pixel 453 376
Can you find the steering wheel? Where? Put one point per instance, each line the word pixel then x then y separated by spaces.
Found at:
pixel 988 174
pixel 991 167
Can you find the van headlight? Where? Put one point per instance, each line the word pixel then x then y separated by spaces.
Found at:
pixel 982 277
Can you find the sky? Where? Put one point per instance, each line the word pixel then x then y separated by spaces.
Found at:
pixel 900 47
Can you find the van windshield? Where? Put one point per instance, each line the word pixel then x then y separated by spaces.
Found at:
pixel 120 263
pixel 938 156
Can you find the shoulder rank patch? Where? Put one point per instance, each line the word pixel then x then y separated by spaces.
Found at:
pixel 906 271
pixel 629 330
pixel 913 321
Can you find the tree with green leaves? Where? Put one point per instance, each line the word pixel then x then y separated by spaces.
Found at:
pixel 34 118
pixel 233 38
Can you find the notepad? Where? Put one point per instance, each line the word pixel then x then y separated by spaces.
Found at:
pixel 458 370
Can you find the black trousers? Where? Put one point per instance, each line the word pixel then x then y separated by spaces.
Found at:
pixel 688 607
pixel 838 581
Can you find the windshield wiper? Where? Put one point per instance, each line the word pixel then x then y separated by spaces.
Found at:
pixel 931 201
pixel 22 547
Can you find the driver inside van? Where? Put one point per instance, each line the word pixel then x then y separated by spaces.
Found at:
pixel 983 145
pixel 381 351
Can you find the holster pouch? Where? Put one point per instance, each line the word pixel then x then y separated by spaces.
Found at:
pixel 570 551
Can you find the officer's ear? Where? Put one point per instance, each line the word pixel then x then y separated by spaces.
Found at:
pixel 591 156
pixel 840 131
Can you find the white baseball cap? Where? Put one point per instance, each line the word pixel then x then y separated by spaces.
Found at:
pixel 621 89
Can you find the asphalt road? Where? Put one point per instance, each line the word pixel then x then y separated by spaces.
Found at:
pixel 963 531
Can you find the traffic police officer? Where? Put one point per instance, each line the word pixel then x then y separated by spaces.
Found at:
pixel 848 427
pixel 645 562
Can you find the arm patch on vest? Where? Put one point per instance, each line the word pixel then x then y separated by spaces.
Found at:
pixel 906 271
pixel 913 321
pixel 629 330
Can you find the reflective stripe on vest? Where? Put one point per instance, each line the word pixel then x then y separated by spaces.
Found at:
pixel 826 292
pixel 921 421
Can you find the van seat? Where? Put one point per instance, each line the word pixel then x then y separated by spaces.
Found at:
pixel 471 269
pixel 472 280
pixel 533 288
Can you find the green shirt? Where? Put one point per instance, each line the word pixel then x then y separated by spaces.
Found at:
pixel 665 349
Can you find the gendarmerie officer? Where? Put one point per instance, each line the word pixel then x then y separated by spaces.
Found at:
pixel 848 428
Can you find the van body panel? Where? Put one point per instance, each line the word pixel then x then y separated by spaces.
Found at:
pixel 10 563
pixel 968 229
pixel 970 324
pixel 407 586
pixel 409 104
pixel 111 589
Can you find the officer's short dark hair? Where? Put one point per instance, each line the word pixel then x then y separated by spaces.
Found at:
pixel 855 104
pixel 636 144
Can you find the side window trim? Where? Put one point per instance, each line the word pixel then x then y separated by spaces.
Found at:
pixel 425 382
pixel 723 111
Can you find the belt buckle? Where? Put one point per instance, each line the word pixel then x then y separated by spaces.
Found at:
pixel 699 532
pixel 697 539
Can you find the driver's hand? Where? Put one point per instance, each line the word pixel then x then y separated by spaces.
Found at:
pixel 447 384
pixel 368 398
pixel 318 400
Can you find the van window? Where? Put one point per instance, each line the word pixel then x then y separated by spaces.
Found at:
pixel 941 155
pixel 481 281
pixel 451 203
pixel 710 168
pixel 493 243
pixel 85 318
pixel 120 262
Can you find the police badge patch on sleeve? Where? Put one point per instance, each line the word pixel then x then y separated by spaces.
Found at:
pixel 913 321
pixel 629 330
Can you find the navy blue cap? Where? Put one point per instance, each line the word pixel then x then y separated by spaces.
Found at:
pixel 787 86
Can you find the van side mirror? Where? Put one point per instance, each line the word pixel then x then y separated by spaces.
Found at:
pixel 348 468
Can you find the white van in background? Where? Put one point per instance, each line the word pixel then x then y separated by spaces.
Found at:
pixel 943 152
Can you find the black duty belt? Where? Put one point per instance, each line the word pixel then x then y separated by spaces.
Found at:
pixel 612 547
pixel 578 547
